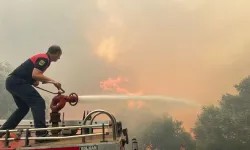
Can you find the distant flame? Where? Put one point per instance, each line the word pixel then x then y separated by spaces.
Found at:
pixel 149 147
pixel 114 85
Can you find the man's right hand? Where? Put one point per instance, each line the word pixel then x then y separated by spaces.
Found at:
pixel 57 85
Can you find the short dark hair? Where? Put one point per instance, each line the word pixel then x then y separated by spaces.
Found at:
pixel 54 49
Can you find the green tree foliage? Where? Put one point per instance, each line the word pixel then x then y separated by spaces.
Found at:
pixel 227 126
pixel 166 133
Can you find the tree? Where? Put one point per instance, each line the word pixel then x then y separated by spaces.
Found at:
pixel 7 105
pixel 166 133
pixel 226 127
pixel 208 131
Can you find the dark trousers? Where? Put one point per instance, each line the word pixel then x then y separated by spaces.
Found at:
pixel 25 97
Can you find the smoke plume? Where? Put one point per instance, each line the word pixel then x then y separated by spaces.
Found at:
pixel 196 49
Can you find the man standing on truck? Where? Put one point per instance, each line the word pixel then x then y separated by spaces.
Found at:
pixel 20 85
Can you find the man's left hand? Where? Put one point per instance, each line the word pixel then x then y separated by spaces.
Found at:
pixel 36 83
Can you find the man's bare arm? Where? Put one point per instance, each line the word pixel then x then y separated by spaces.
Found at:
pixel 38 75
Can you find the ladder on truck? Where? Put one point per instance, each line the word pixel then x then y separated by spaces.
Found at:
pixel 86 134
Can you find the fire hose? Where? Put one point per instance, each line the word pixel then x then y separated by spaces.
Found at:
pixel 59 101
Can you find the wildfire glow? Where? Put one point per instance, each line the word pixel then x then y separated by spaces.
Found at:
pixel 106 49
pixel 149 147
pixel 114 85
pixel 107 39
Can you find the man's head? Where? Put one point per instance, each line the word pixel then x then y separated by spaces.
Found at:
pixel 54 52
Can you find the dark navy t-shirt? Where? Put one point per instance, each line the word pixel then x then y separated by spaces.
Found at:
pixel 39 61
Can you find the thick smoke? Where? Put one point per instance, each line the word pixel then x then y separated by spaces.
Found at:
pixel 195 49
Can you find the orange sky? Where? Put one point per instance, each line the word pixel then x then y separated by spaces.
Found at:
pixel 195 50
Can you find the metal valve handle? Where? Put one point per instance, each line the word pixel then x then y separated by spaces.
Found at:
pixel 73 99
pixel 60 91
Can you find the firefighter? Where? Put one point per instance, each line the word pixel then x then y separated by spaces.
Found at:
pixel 20 84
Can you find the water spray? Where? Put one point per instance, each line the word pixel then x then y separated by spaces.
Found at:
pixel 99 98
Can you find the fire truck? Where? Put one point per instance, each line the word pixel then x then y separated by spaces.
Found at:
pixel 84 134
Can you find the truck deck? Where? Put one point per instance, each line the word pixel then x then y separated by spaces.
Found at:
pixel 86 134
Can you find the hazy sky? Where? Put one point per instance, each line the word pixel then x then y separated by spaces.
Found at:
pixel 196 49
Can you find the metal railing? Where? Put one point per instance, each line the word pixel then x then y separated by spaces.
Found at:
pixel 31 124
pixel 29 130
pixel 99 112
